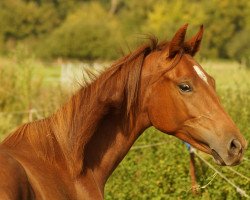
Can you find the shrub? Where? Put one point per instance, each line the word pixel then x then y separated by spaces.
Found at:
pixel 21 21
pixel 88 33
pixel 22 88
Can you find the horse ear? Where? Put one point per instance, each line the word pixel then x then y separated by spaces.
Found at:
pixel 195 41
pixel 177 41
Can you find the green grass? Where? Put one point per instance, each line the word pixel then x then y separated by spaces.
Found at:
pixel 160 172
pixel 26 84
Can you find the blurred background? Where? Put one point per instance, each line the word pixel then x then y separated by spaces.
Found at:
pixel 46 44
pixel 97 30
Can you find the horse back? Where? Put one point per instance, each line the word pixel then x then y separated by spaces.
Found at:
pixel 14 184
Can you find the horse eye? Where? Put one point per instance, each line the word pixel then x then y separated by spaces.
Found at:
pixel 184 87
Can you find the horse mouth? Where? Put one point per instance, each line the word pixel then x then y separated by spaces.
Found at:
pixel 187 137
pixel 205 147
pixel 218 160
pixel 202 146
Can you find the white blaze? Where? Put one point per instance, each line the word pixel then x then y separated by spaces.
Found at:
pixel 200 73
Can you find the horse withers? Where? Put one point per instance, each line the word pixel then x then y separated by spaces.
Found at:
pixel 71 154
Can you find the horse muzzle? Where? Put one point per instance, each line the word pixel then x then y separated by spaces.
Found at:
pixel 230 155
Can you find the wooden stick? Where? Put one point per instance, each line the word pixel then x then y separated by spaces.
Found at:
pixel 192 173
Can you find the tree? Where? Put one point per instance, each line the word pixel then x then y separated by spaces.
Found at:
pixel 167 16
pixel 20 20
pixel 89 33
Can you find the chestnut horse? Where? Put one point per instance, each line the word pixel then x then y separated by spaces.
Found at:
pixel 71 154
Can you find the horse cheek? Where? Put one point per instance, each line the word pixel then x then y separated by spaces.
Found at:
pixel 162 114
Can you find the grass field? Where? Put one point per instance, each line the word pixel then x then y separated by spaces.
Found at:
pixel 159 172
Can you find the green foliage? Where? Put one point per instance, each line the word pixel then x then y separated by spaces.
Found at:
pixel 20 21
pixel 22 88
pixel 18 80
pixel 85 29
pixel 240 50
pixel 167 16
pixel 85 34
pixel 224 20
pixel 239 47
pixel 133 14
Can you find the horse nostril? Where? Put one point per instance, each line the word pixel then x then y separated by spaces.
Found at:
pixel 234 147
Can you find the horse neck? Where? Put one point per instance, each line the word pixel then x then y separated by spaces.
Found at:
pixel 116 89
pixel 61 138
pixel 74 124
pixel 35 138
pixel 110 143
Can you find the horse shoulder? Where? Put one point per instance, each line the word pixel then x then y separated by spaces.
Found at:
pixel 14 184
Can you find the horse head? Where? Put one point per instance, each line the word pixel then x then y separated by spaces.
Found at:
pixel 181 100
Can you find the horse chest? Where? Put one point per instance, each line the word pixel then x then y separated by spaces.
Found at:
pixel 87 187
